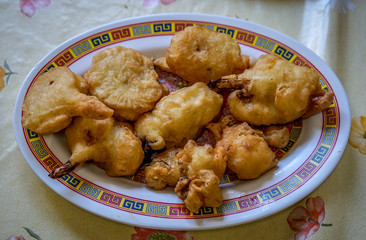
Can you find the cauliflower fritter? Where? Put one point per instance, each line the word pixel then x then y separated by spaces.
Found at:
pixel 125 81
pixel 202 168
pixel 56 97
pixel 276 136
pixel 201 191
pixel 275 91
pixel 197 54
pixel 249 155
pixel 179 116
pixel 195 172
pixel 110 144
pixel 164 170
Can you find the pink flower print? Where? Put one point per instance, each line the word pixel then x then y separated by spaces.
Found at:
pixel 152 234
pixel 16 238
pixel 305 221
pixel 29 7
pixel 167 2
pixel 29 231
pixel 154 3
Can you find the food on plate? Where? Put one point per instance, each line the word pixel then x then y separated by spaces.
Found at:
pixel 161 63
pixel 216 128
pixel 320 101
pixel 125 80
pixel 178 117
pixel 198 54
pixel 195 172
pixel 276 136
pixel 202 168
pixel 110 144
pixel 249 155
pixel 201 191
pixel 165 124
pixel 164 170
pixel 57 96
pixel 274 91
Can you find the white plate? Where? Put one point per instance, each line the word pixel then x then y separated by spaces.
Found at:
pixel 316 147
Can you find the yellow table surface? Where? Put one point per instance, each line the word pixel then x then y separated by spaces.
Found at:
pixel 337 37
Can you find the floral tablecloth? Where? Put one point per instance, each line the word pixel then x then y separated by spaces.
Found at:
pixel 333 29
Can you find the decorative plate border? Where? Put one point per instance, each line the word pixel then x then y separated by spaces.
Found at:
pixel 313 163
pixel 159 28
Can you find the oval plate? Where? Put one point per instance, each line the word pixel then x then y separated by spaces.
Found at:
pixel 314 150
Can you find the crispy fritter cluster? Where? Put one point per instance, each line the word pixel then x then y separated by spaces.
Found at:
pixel 195 172
pixel 249 155
pixel 275 91
pixel 201 173
pixel 197 54
pixel 55 98
pixel 125 80
pixel 164 170
pixel 178 117
pixel 110 144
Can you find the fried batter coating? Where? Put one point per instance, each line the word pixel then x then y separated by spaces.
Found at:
pixel 275 91
pixel 249 156
pixel 202 168
pixel 110 144
pixel 217 128
pixel 161 63
pixel 319 102
pixel 195 172
pixel 276 136
pixel 201 191
pixel 164 170
pixel 197 54
pixel 179 116
pixel 195 158
pixel 125 81
pixel 56 97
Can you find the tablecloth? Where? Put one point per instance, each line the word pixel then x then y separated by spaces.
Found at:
pixel 333 29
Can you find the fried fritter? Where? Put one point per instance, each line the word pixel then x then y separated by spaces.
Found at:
pixel 125 81
pixel 179 116
pixel 110 144
pixel 319 102
pixel 195 172
pixel 202 168
pixel 161 63
pixel 56 97
pixel 275 91
pixel 218 127
pixel 275 136
pixel 249 155
pixel 197 54
pixel 201 191
pixel 164 170
pixel 196 158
